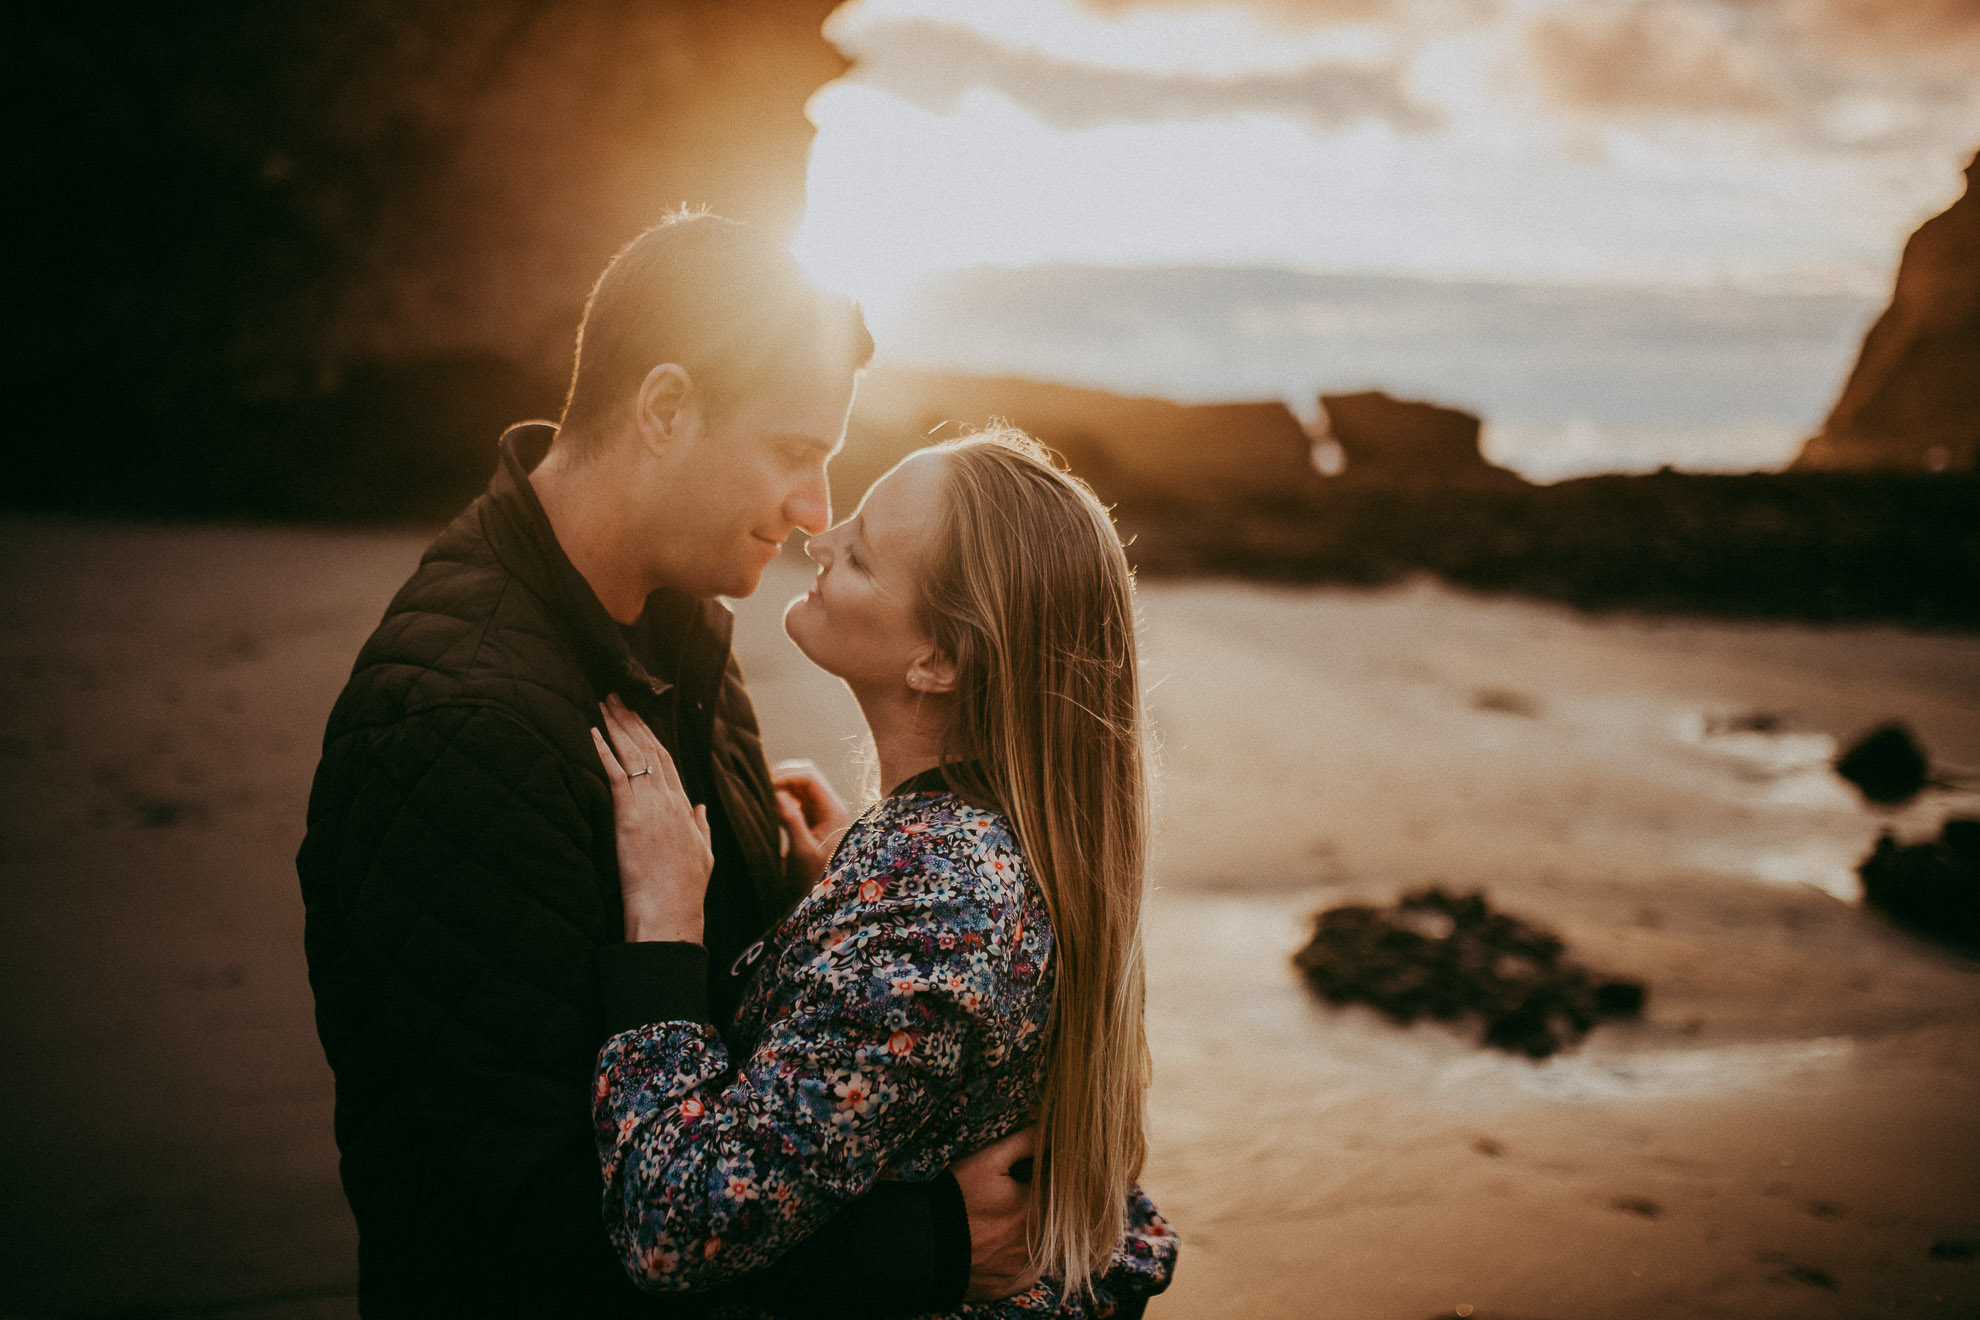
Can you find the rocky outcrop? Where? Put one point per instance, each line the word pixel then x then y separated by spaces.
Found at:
pixel 1913 400
pixel 249 216
pixel 1372 439
pixel 1124 447
pixel 594 119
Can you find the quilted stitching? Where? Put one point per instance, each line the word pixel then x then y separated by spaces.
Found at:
pixel 457 873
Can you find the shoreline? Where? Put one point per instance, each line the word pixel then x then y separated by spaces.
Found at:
pixel 168 688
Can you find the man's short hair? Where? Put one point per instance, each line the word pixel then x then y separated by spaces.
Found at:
pixel 721 300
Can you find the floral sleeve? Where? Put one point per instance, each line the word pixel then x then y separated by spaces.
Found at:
pixel 713 1170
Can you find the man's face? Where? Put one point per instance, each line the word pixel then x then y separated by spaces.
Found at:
pixel 747 478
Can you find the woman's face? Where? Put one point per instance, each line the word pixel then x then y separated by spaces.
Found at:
pixel 861 619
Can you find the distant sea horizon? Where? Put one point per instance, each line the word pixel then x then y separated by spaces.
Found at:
pixel 1570 379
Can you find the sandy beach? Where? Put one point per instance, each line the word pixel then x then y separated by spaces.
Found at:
pixel 1788 1132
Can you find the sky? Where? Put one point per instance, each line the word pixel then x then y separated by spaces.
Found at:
pixel 1754 156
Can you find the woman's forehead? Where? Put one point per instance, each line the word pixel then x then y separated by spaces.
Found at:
pixel 902 505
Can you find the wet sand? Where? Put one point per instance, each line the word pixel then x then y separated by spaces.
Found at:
pixel 1789 1131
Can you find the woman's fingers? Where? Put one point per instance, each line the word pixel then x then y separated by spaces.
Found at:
pixel 666 851
pixel 616 740
pixel 631 733
pixel 624 728
pixel 801 791
pixel 792 814
pixel 631 739
pixel 824 810
pixel 794 774
pixel 614 772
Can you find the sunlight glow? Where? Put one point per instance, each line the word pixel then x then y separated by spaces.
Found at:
pixel 1504 187
pixel 1407 140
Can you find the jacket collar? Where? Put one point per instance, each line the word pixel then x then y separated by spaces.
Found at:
pixel 679 639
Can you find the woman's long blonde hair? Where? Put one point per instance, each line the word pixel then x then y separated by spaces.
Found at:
pixel 1028 591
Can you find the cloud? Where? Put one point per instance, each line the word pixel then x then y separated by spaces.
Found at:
pixel 1716 47
pixel 1849 75
pixel 1938 32
pixel 1302 12
pixel 931 63
pixel 1659 57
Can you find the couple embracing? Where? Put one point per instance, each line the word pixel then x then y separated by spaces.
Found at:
pixel 626 1024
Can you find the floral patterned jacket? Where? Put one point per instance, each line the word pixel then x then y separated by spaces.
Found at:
pixel 897 1022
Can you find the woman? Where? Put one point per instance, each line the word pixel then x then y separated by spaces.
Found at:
pixel 972 961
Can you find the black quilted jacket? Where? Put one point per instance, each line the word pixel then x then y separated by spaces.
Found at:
pixel 462 899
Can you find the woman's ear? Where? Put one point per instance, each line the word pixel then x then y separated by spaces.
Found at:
pixel 666 407
pixel 932 671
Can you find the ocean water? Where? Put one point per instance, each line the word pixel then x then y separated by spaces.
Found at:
pixel 1570 378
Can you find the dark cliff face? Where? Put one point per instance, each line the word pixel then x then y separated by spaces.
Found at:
pixel 1913 400
pixel 256 228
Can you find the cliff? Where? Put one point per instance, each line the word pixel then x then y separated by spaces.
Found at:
pixel 275 225
pixel 1913 399
pixel 1124 447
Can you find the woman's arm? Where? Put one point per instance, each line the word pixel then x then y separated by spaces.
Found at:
pixel 713 1171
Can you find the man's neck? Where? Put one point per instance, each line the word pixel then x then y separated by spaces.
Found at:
pixel 586 506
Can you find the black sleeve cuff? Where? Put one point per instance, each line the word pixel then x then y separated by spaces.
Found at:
pixel 911 1243
pixel 652 981
pixel 900 1250
pixel 948 1221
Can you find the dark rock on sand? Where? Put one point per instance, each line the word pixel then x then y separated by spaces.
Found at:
pixel 1932 888
pixel 1436 956
pixel 1887 765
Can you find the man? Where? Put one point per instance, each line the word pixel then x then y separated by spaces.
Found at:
pixel 459 871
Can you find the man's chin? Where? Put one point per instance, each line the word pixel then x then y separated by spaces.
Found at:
pixel 743 586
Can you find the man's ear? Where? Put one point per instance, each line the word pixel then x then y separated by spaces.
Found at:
pixel 932 671
pixel 667 407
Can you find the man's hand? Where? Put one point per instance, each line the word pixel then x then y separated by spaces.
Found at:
pixel 813 814
pixel 999 1207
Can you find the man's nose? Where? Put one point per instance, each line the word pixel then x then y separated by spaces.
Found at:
pixel 810 505
pixel 818 549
